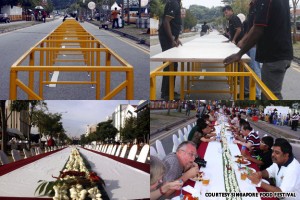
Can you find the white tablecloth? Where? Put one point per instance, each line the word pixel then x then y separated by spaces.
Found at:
pixel 122 181
pixel 23 181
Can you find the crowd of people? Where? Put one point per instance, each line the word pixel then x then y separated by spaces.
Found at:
pixel 274 159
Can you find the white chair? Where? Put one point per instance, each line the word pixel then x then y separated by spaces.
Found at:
pixel 113 151
pixel 185 130
pixel 32 151
pixel 143 154
pixel 153 151
pixel 118 150
pixel 189 128
pixel 16 155
pixel 3 158
pixel 109 149
pixel 175 143
pixel 160 150
pixel 123 151
pixel 186 136
pixel 39 150
pixel 180 133
pixel 132 152
pixel 26 153
pixel 180 137
pixel 54 148
pixel 99 148
pixel 51 148
pixel 105 149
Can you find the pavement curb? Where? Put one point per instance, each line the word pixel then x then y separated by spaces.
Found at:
pixel 141 41
pixel 169 126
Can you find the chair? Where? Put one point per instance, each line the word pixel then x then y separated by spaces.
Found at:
pixel 16 155
pixel 153 151
pixel 143 154
pixel 109 149
pixel 179 133
pixel 189 128
pixel 132 152
pixel 113 151
pixel 123 151
pixel 99 148
pixel 160 150
pixel 185 130
pixel 54 148
pixel 3 158
pixel 186 136
pixel 118 150
pixel 38 150
pixel 105 149
pixel 175 143
pixel 32 151
pixel 26 153
pixel 180 137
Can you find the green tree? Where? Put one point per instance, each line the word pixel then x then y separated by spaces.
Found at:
pixel 190 20
pixel 128 132
pixel 105 131
pixel 143 126
pixel 156 8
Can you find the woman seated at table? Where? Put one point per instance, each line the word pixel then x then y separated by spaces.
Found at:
pixel 203 134
pixel 212 118
pixel 264 160
pixel 236 129
pixel 157 170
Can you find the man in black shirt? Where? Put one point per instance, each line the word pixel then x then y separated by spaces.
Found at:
pixel 169 37
pixel 235 25
pixel 271 33
pixel 204 29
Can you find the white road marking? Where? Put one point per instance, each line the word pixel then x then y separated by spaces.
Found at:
pixel 54 78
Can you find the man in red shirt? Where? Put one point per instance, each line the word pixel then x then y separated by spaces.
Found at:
pixel 115 18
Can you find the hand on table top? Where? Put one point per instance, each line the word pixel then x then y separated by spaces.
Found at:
pixel 255 177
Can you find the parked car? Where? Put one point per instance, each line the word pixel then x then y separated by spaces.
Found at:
pixel 4 18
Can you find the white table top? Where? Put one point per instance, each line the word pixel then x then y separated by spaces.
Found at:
pixel 122 181
pixel 209 48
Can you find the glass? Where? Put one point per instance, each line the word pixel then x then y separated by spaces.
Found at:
pixel 243 175
pixel 190 154
pixel 205 179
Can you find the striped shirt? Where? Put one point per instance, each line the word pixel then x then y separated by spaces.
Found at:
pixel 254 139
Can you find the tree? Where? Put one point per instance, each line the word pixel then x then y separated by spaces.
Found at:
pixel 128 132
pixel 156 8
pixel 143 125
pixel 32 108
pixel 295 3
pixel 190 20
pixel 9 2
pixel 4 135
pixel 106 131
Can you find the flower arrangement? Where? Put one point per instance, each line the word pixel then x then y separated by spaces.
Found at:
pixel 76 181
pixel 231 184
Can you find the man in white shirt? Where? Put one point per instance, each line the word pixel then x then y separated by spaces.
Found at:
pixel 285 169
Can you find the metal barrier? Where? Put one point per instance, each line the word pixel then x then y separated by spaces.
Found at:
pixel 69 41
pixel 233 72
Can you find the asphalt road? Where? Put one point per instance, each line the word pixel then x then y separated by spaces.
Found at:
pixel 167 141
pixel 290 89
pixel 16 43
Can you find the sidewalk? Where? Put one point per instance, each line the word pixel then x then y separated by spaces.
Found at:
pixel 154 38
pixel 129 31
pixel 160 121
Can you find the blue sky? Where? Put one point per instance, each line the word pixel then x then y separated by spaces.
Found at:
pixel 77 114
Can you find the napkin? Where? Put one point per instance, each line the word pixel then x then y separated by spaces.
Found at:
pixel 191 190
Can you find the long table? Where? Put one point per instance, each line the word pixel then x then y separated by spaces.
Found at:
pixel 122 181
pixel 209 50
pixel 212 153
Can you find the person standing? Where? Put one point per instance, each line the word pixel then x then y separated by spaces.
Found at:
pixel 115 14
pixel 271 33
pixel 204 29
pixel 235 25
pixel 169 31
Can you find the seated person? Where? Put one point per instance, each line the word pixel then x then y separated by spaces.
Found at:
pixel 264 159
pixel 157 170
pixel 203 134
pixel 285 169
pixel 180 165
pixel 251 142
pixel 237 128
pixel 195 128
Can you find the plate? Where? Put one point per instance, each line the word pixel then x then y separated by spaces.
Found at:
pixel 246 162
